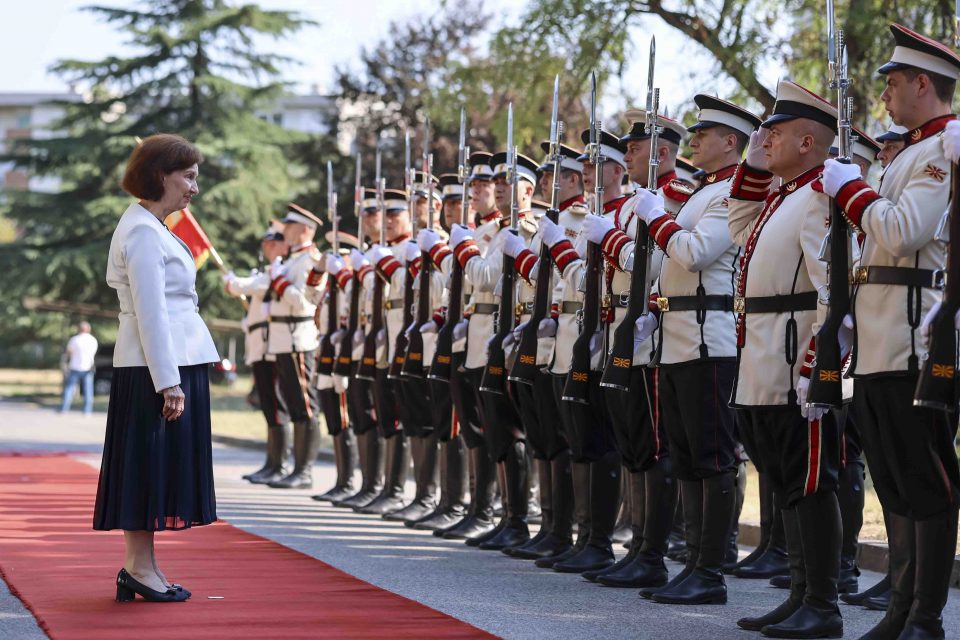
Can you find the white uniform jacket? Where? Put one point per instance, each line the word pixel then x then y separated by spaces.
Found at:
pixel 155 277
pixel 393 270
pixel 256 324
pixel 900 223
pixel 292 325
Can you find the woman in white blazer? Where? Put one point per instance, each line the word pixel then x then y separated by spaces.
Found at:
pixel 157 469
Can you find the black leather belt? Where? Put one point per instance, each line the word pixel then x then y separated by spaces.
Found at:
pixel 903 276
pixel 571 307
pixel 396 303
pixel 776 304
pixel 695 303
pixel 616 300
pixel 291 319
pixel 258 325
pixel 484 308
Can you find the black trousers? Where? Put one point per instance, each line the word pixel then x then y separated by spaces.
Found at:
pixel 498 416
pixel 637 421
pixel 268 391
pixel 590 430
pixel 295 376
pixel 540 414
pixel 335 411
pixel 694 400
pixel 416 408
pixel 464 397
pixel 910 450
pixel 800 457
pixel 387 404
pixel 361 406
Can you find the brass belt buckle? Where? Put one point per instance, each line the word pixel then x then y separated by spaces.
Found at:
pixel 607 300
pixel 861 275
pixel 470 309
pixel 518 310
pixel 625 299
pixel 663 304
pixel 739 304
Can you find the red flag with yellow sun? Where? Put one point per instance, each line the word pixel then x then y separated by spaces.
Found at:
pixel 185 226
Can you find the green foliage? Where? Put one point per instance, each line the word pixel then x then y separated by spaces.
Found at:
pixel 195 72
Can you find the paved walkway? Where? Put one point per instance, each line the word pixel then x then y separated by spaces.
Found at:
pixel 507 597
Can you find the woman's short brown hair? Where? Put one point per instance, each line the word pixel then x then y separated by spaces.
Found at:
pixel 155 157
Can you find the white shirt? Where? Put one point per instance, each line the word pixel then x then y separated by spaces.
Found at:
pixel 81 349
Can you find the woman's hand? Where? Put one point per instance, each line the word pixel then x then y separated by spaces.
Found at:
pixel 173 402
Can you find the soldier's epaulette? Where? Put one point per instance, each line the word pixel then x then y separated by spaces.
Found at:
pixel 677 190
pixel 528 227
pixel 578 209
pixel 315 253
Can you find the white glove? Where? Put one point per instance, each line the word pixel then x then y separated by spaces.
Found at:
pixel 229 277
pixel 333 264
pixel 277 268
pixel 381 338
pixel 427 239
pixel 428 327
pixel 357 261
pixel 951 141
pixel 337 336
pixel 410 251
pixel 460 330
pixel 518 330
pixel 845 335
pixel 836 174
pixel 595 228
pixel 409 329
pixel 509 341
pixel 459 233
pixel 550 232
pixel 358 338
pixel 644 327
pixel 513 245
pixel 756 156
pixel 808 412
pixel 547 328
pixel 649 205
pixel 378 253
pixel 926 327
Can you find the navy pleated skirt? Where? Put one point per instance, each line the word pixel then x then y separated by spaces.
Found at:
pixel 156 474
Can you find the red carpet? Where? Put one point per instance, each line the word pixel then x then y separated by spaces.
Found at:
pixel 65 572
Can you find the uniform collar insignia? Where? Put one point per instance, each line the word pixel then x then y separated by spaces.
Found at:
pixel 398 240
pixel 803 179
pixel 571 201
pixel 490 217
pixel 926 130
pixel 717 176
pixel 613 205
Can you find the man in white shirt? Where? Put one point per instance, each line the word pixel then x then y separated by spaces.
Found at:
pixel 81 350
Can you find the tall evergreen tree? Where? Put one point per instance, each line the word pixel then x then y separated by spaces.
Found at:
pixel 196 70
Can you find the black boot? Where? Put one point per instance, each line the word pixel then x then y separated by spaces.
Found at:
pixel 426 473
pixel 559 539
pixel 623 529
pixel 397 463
pixel 604 500
pixel 732 555
pixel 271 460
pixel 501 520
pixel 632 499
pixel 766 522
pixel 798 578
pixel 279 445
pixel 306 442
pixel 705 585
pixel 772 558
pixel 676 541
pixel 534 497
pixel 647 569
pixel 453 482
pixel 850 494
pixel 372 451
pixel 479 520
pixel 820 533
pixel 881 601
pixel 344 452
pixel 880 589
pixel 515 531
pixel 901 543
pixel 580 487
pixel 936 543
pixel 691 499
pixel 546 509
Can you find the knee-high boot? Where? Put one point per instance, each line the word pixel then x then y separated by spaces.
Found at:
pixel 691 499
pixel 623 529
pixel 559 539
pixel 798 578
pixel 501 492
pixel 580 480
pixel 344 452
pixel 632 499
pixel 515 530
pixel 732 553
pixel 876 597
pixel 371 447
pixel 306 443
pixel 604 499
pixel 479 520
pixel 818 516
pixel 397 464
pixel 270 461
pixel 546 508
pixel 850 494
pixel 769 559
pixel 534 497
pixel 279 446
pixel 936 544
pixel 426 475
pixel 453 482
pixel 902 546
pixel 705 584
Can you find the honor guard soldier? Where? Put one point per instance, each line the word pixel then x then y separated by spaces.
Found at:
pixel 454 468
pixel 915 471
pixel 548 435
pixel 892 141
pixel 388 265
pixel 687 172
pixel 294 339
pixel 778 315
pixel 360 404
pixel 332 388
pixel 264 366
pixel 469 348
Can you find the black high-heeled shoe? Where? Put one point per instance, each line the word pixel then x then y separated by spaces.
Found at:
pixel 180 587
pixel 128 587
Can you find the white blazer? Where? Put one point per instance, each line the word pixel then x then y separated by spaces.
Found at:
pixel 155 278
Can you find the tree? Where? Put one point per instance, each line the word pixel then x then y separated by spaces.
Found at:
pixel 195 72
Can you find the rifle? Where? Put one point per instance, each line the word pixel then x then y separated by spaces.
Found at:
pixel 440 368
pixel 344 365
pixel 616 372
pixel 494 378
pixel 413 364
pixel 525 368
pixel 826 386
pixel 327 348
pixel 400 346
pixel 577 386
pixel 368 362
